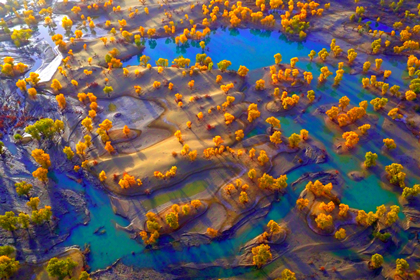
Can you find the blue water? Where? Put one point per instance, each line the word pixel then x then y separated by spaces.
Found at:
pixel 250 47
pixel 378 26
pixel 11 146
pixel 254 49
pixel 44 32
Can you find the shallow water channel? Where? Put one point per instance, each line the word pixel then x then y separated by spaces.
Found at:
pixel 254 49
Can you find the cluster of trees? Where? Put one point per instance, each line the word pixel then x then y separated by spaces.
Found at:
pixel 10 68
pixel 395 174
pixel 351 116
pixel 192 34
pixel 234 188
pixel 411 192
pixel 208 153
pixel 319 189
pixel 268 182
pixel 45 129
pixel 367 219
pixel 10 222
pixel 291 24
pixel 125 182
pixel 21 36
pixel 298 23
pixel 153 228
pixel 168 174
pixel 58 41
pixel 405 33
pixel 171 219
pixel 62 268
pixel 186 152
pixel 43 159
pixel 289 101
pixel 272 230
pixel 324 220
pixel 111 59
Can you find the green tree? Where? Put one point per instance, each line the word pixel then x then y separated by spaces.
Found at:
pixel 273 227
pixel 23 220
pixel 277 58
pixel 252 174
pixel 42 215
pixel 8 267
pixel 84 276
pixel 200 57
pixel 33 203
pixel 401 266
pixel 152 226
pixel 265 181
pixel 415 84
pixel 172 220
pixel 43 128
pixel 411 192
pixel 144 59
pixel 6 250
pixel 370 159
pixel 223 65
pixel 20 36
pixel 261 254
pixel 392 215
pixel 287 274
pixel 69 152
pixel 294 140
pixel 23 188
pixel 17 137
pixel 162 62
pixel 59 126
pixel 311 95
pixel 376 261
pixel 61 268
pixel 37 217
pixel 379 103
pixel 185 209
pixel 395 174
pixel 107 90
pixel 280 183
pixel 8 221
pixel 46 213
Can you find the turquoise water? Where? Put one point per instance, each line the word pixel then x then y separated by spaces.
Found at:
pixel 253 49
pixel 105 248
